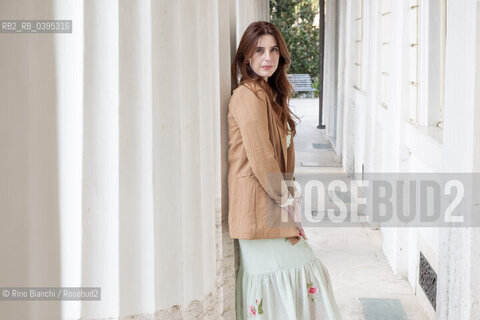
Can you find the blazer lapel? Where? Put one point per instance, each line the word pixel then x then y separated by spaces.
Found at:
pixel 283 138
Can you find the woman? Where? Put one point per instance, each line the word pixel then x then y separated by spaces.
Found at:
pixel 279 276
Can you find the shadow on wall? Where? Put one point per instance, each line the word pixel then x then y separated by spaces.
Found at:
pixel 29 204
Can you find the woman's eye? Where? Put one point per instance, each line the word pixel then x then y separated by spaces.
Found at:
pixel 275 49
pixel 260 50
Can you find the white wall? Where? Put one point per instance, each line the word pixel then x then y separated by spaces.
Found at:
pixel 249 11
pixel 382 138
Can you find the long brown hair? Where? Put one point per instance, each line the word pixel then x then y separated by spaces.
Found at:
pixel 278 88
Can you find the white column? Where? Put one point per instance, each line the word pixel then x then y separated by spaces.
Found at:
pixel 69 83
pixel 185 81
pixel 458 279
pixel 29 188
pixel 225 51
pixel 189 177
pixel 208 60
pixel 348 108
pixel 249 11
pixel 331 58
pixel 166 153
pixel 136 233
pixel 100 245
pixel 342 43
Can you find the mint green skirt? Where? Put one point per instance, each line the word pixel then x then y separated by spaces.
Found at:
pixel 279 281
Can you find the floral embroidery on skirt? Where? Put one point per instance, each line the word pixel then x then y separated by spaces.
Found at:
pixel 278 280
pixel 255 308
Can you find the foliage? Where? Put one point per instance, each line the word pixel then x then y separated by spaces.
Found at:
pixel 295 20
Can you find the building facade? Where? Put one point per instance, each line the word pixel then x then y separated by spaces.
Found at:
pixel 401 94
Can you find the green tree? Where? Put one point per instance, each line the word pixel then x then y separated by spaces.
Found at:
pixel 295 20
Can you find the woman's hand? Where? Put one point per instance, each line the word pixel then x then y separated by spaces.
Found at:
pixel 295 212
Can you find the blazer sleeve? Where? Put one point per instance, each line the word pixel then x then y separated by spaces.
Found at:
pixel 250 113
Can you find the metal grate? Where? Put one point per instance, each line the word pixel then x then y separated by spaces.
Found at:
pixel 428 280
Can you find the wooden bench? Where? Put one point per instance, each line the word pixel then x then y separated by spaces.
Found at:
pixel 301 82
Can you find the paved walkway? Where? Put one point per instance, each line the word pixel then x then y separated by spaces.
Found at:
pixel 353 255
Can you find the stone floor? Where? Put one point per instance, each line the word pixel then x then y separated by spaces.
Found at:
pixel 353 255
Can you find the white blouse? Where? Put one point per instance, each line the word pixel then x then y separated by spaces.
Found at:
pixel 288 136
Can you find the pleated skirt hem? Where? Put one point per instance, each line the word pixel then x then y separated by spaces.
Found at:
pixel 301 291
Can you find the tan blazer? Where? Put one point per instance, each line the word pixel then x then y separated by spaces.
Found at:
pixel 258 163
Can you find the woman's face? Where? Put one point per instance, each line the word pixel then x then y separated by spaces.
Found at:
pixel 264 61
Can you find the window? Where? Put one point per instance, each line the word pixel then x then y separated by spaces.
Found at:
pixel 413 58
pixel 385 50
pixel 426 61
pixel 357 37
